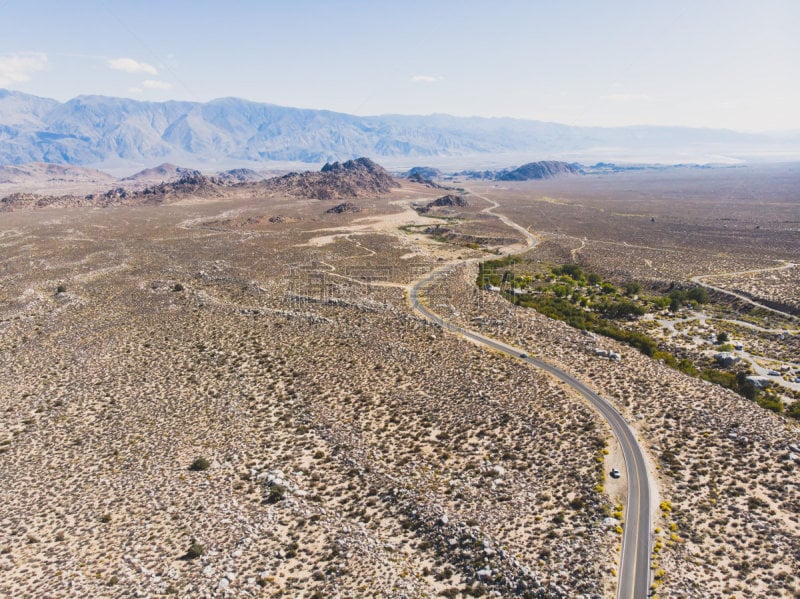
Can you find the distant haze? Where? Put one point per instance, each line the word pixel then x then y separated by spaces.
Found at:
pixel 121 133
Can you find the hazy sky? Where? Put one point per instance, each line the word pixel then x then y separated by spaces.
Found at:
pixel 699 63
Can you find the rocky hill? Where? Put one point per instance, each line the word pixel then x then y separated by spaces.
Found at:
pixel 545 169
pixel 94 130
pixel 448 201
pixel 166 172
pixel 191 183
pixel 350 179
pixel 41 173
pixel 425 172
pixel 239 175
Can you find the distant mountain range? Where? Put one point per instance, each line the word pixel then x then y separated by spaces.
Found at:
pixel 99 130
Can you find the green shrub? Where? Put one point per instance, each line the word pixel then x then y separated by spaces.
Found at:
pixel 276 493
pixel 687 367
pixel 770 402
pixel 200 464
pixel 195 550
pixel 720 377
pixel 667 357
pixel 633 288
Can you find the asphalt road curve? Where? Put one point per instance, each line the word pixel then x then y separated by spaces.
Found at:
pixel 634 569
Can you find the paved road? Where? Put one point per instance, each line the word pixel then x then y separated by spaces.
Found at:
pixel 634 570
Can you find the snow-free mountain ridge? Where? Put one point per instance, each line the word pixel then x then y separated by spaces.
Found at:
pixel 98 130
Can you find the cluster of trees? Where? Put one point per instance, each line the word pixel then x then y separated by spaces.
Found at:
pixel 492 272
pixel 597 321
pixel 679 297
pixel 562 300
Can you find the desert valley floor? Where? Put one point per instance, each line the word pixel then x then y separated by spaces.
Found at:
pixel 228 394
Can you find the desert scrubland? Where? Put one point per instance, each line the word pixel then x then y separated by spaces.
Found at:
pixel 228 394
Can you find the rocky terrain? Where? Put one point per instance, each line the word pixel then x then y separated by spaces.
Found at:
pixel 342 208
pixel 42 173
pixel 448 201
pixel 163 173
pixel 353 178
pixel 417 178
pixel 204 412
pixel 227 394
pixel 723 464
pixel 239 175
pixel 190 182
pixel 424 172
pixel 545 169
pixel 779 287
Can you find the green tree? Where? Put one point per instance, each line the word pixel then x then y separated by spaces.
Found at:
pixel 572 270
pixel 746 388
pixel 698 294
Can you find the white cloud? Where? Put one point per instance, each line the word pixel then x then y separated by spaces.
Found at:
pixel 425 79
pixel 627 98
pixel 18 67
pixel 155 84
pixel 135 90
pixel 130 65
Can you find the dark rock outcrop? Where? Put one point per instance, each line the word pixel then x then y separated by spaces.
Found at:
pixel 426 172
pixel 448 201
pixel 351 179
pixel 239 175
pixel 342 208
pixel 545 169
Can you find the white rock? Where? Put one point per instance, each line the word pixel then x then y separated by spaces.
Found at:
pixel 223 584
pixel 498 470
